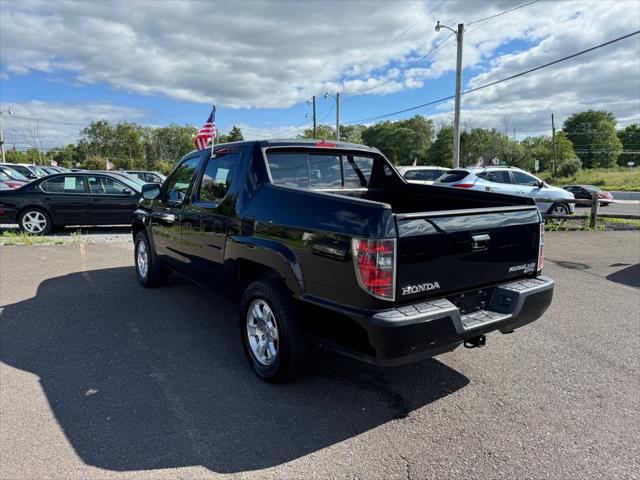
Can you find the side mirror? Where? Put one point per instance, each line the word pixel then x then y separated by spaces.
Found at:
pixel 150 191
pixel 540 184
pixel 126 191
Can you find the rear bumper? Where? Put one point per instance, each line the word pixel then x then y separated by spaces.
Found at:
pixel 422 330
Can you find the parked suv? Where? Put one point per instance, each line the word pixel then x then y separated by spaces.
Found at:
pixel 512 181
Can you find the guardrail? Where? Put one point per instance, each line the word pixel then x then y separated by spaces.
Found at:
pixel 594 203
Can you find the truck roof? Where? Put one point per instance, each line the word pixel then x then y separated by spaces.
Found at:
pixel 323 143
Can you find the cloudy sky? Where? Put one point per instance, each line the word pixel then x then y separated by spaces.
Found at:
pixel 155 62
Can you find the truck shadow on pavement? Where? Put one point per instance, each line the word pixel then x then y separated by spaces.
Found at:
pixel 627 276
pixel 145 379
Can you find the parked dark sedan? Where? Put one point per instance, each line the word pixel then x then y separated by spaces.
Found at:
pixel 585 191
pixel 87 198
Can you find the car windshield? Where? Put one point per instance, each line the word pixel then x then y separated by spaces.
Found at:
pixel 131 178
pixel 13 174
pixel 130 182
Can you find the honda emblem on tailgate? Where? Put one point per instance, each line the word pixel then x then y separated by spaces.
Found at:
pixel 423 287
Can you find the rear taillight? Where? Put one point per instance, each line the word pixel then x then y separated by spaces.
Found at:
pixel 541 247
pixel 463 185
pixel 375 266
pixel 13 184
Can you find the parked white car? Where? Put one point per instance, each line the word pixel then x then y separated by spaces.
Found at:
pixel 425 175
pixel 511 181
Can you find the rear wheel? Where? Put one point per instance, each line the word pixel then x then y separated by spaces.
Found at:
pixel 35 221
pixel 559 209
pixel 273 341
pixel 150 272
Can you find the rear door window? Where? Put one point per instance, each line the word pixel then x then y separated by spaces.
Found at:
pixel 497 176
pixel 106 186
pixel 64 184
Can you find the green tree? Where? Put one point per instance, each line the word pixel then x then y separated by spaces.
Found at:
pixel 541 149
pixel 63 156
pixel 235 135
pixel 594 139
pixel 441 151
pixel 630 139
pixel 15 156
pixel 351 133
pixel 403 141
pixel 167 145
pixel 324 132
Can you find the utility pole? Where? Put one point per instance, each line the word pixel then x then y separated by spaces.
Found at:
pixel 1 139
pixel 553 140
pixel 1 135
pixel 338 116
pixel 337 97
pixel 456 119
pixel 313 100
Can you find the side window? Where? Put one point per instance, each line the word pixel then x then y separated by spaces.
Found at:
pixel 217 177
pixel 106 186
pixel 498 176
pixel 177 185
pixel 524 179
pixel 357 171
pixel 64 184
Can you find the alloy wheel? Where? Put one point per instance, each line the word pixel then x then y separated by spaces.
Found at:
pixel 262 332
pixel 559 210
pixel 142 259
pixel 34 222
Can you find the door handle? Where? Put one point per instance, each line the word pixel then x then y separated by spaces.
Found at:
pixel 480 242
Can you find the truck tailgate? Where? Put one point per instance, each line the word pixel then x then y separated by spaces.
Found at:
pixel 447 252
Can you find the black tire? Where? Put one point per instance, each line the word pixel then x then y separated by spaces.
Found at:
pixel 154 274
pixel 293 343
pixel 32 216
pixel 554 210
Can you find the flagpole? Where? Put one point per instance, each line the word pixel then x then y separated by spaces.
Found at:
pixel 215 127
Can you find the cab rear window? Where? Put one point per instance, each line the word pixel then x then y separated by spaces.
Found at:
pixel 310 170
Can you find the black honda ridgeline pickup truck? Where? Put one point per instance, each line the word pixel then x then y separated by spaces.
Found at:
pixel 327 242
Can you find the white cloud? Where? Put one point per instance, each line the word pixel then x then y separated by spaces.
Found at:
pixel 53 124
pixel 277 53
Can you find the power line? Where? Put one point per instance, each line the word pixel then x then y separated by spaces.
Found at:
pixel 413 64
pixel 511 77
pixel 490 17
pixel 390 42
pixel 438 46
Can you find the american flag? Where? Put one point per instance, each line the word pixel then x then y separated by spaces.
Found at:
pixel 207 132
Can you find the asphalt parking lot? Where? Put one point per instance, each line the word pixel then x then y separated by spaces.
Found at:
pixel 101 378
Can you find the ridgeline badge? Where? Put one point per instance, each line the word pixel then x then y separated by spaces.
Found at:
pixel 526 268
